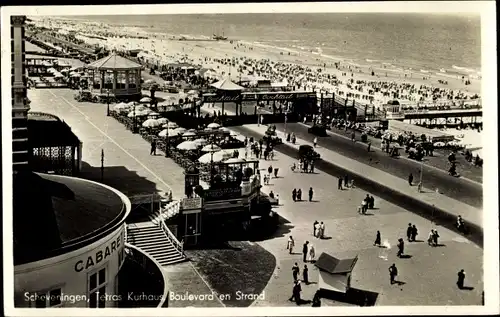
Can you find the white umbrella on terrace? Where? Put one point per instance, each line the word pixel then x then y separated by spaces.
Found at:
pixel 137 113
pixel 201 141
pixel 162 121
pixel 121 107
pixel 179 130
pixel 51 70
pixel 209 157
pixel 213 125
pixel 171 133
pixel 145 100
pixel 170 125
pixel 187 146
pixel 74 75
pixel 235 160
pixel 211 148
pixel 150 123
pixel 154 115
pixel 189 133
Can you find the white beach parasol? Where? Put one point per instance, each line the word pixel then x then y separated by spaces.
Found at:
pixel 137 113
pixel 213 125
pixel 153 115
pixel 74 75
pixel 58 75
pixel 121 107
pixel 145 100
pixel 150 123
pixel 192 92
pixel 187 146
pixel 179 130
pixel 209 157
pixel 211 148
pixel 170 125
pixel 162 121
pixel 170 133
pixel 235 160
pixel 189 133
pixel 51 70
pixel 201 141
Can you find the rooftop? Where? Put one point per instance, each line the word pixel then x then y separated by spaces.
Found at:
pixel 46 130
pixel 333 265
pixel 226 84
pixel 56 214
pixel 114 62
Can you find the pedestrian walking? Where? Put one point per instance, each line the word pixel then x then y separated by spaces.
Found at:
pixel 317 231
pixel 270 170
pixel 435 238
pixel 294 194
pixel 153 148
pixel 377 239
pixel 461 279
pixel 295 271
pixel 299 194
pixel 290 244
pixel 314 227
pixel 346 181
pixel 414 233
pixel 315 142
pixel 393 272
pixel 409 231
pixel 353 136
pixel 305 274
pixel 410 179
pixel 369 146
pixel 401 247
pixel 312 253
pixel 430 239
pixel 340 183
pixel 311 193
pixel 371 203
pixel 363 206
pixel 305 249
pixel 276 169
pixel 321 230
pixel 296 293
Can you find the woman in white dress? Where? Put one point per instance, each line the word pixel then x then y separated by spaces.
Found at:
pixel 290 244
pixel 312 253
pixel 316 230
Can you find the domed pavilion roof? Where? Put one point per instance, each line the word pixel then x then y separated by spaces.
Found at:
pixel 56 214
pixel 114 62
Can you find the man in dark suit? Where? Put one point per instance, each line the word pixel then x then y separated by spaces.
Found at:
pixel 461 279
pixel 305 249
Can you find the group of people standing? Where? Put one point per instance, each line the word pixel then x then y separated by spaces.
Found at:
pixel 344 182
pixel 297 194
pixel 367 203
pixel 319 229
pixel 308 250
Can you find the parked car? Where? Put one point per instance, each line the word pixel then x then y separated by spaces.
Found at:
pixel 319 130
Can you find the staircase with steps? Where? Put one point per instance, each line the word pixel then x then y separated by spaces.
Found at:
pixel 152 240
pixel 171 209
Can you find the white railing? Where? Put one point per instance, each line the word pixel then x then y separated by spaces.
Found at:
pixel 133 252
pixel 178 245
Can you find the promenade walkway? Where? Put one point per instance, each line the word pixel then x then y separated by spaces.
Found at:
pixel 429 274
pixel 429 195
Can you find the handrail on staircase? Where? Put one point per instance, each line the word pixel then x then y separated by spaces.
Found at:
pixel 178 245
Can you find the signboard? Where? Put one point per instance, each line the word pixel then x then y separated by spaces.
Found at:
pixel 192 203
pixel 270 96
pixel 114 245
pixel 223 193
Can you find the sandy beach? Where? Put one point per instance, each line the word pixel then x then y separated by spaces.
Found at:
pixel 169 48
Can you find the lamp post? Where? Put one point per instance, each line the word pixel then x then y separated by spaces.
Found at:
pixel 134 119
pixel 167 141
pixel 211 164
pixel 107 99
pixel 102 164
pixel 286 119
pixel 421 175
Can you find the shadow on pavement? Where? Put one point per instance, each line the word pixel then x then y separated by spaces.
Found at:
pixel 233 273
pixel 354 296
pixel 128 182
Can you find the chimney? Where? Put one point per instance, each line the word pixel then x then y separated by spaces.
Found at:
pixel 20 146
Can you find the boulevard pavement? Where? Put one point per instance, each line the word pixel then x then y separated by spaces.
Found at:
pixel 464 190
pixel 430 274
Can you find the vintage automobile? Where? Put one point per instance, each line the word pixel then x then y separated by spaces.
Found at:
pixel 307 152
pixel 271 137
pixel 319 130
pixel 85 96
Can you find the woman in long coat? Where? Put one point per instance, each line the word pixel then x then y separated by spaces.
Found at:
pixel 312 253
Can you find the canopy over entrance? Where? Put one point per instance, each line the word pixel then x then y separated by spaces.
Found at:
pixel 227 84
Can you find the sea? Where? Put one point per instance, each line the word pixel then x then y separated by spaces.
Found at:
pixel 428 43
